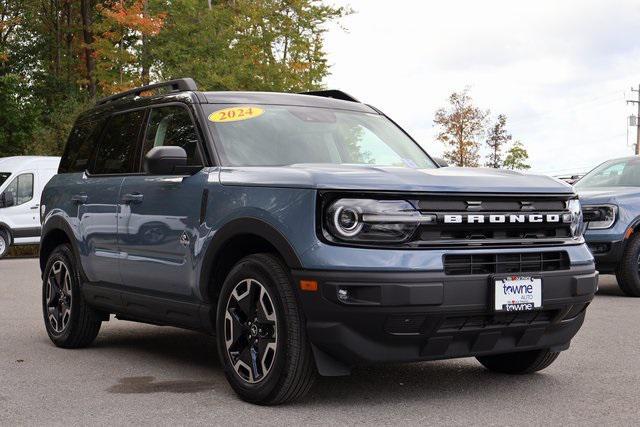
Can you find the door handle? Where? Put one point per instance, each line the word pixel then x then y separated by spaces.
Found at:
pixel 35 207
pixel 132 198
pixel 79 199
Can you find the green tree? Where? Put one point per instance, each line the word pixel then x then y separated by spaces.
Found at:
pixel 461 125
pixel 497 138
pixel 273 45
pixel 57 56
pixel 517 157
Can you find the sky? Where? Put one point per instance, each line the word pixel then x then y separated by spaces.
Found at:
pixel 560 71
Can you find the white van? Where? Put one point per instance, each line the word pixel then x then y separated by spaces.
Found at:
pixel 22 179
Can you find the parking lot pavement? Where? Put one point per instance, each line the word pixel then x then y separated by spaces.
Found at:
pixel 140 374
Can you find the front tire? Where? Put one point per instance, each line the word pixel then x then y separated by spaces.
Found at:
pixel 5 242
pixel 627 272
pixel 526 362
pixel 69 321
pixel 261 337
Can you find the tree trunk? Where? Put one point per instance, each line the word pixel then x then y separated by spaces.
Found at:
pixel 145 57
pixel 86 7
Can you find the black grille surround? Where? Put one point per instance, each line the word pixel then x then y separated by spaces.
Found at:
pixel 487 233
pixel 505 263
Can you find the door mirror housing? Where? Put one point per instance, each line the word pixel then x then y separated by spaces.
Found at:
pixel 7 200
pixel 165 160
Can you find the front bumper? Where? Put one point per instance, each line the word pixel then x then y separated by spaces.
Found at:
pixel 429 315
pixel 607 255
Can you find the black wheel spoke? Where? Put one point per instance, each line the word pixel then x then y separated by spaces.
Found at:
pixel 239 318
pixel 254 293
pixel 256 368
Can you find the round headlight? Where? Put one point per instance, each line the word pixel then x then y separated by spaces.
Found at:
pixel 347 221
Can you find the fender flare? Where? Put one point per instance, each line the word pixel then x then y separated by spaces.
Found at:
pixel 244 226
pixel 634 224
pixel 57 223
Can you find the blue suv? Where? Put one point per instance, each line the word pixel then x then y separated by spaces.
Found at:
pixel 309 234
pixel 610 195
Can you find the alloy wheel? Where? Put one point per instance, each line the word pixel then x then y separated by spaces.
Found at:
pixel 59 297
pixel 251 331
pixel 3 245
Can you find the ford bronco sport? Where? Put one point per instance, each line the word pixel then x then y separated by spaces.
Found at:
pixel 309 234
pixel 610 196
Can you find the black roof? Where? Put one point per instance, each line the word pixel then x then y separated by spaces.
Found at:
pixel 277 98
pixel 186 90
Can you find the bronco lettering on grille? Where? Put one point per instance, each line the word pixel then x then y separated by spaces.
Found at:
pixel 501 219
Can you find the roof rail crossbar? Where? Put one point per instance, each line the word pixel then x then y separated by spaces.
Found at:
pixel 331 93
pixel 177 85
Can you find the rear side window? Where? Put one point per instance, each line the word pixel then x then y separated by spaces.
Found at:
pixel 80 145
pixel 172 126
pixel 117 148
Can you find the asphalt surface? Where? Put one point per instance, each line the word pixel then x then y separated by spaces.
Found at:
pixel 139 374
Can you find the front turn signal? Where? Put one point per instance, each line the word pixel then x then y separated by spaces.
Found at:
pixel 309 285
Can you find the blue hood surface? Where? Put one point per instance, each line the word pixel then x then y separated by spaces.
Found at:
pixel 376 178
pixel 607 194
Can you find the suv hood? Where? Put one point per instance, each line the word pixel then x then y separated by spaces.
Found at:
pixel 607 194
pixel 375 178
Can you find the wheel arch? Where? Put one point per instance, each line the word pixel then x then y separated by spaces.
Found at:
pixel 7 230
pixel 234 241
pixel 55 232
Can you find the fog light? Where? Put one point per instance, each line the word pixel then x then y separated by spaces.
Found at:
pixel 343 294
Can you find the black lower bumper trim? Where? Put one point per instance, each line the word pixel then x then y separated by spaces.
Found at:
pixel 398 317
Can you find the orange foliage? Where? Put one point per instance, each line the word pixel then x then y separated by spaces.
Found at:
pixel 133 16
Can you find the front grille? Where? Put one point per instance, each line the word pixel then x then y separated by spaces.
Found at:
pixel 492 233
pixel 505 263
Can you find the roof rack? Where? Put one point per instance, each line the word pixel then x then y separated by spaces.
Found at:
pixel 331 93
pixel 177 85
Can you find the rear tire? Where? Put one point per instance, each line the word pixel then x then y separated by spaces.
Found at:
pixel 627 272
pixel 5 242
pixel 526 362
pixel 69 320
pixel 261 336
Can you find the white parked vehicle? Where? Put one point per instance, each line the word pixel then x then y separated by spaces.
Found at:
pixel 22 179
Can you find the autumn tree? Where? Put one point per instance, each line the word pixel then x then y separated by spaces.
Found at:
pixel 121 28
pixel 461 126
pixel 58 56
pixel 273 45
pixel 497 139
pixel 517 157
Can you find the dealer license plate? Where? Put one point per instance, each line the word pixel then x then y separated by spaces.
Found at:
pixel 518 293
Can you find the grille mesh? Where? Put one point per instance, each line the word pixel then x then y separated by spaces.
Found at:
pixel 505 263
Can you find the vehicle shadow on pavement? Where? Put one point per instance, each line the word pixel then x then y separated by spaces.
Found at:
pixel 430 382
pixel 165 344
pixel 427 381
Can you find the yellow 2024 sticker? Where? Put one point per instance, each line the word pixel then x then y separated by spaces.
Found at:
pixel 235 113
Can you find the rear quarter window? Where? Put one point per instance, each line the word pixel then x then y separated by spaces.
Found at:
pixel 80 145
pixel 117 148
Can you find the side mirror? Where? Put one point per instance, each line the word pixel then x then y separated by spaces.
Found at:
pixel 440 162
pixel 6 200
pixel 165 160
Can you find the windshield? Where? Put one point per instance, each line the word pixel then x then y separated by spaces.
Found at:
pixel 615 173
pixel 275 135
pixel 3 177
